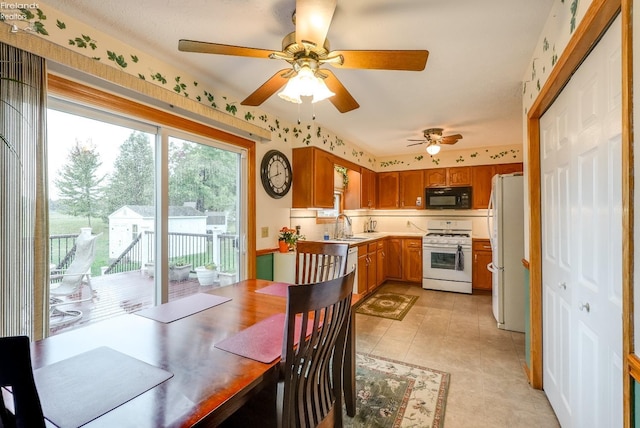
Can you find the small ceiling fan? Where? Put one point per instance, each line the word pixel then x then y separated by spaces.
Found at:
pixel 306 50
pixel 433 137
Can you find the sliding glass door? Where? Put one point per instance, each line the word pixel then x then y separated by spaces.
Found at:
pixel 124 194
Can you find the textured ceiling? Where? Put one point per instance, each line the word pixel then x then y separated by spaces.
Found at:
pixel 478 54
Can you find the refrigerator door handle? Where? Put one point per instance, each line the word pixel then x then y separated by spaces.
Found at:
pixel 492 268
pixel 489 215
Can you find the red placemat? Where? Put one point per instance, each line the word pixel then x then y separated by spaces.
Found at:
pixel 277 289
pixel 262 341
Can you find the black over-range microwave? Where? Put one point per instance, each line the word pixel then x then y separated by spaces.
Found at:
pixel 453 198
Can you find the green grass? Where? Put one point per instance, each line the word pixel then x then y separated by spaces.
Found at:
pixel 60 224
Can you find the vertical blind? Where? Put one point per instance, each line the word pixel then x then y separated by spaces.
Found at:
pixel 23 197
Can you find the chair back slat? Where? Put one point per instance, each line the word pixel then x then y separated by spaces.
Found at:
pixel 312 369
pixel 320 261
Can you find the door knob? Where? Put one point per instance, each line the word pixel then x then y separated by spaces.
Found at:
pixel 585 307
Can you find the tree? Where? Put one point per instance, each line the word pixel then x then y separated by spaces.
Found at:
pixel 78 183
pixel 204 175
pixel 132 180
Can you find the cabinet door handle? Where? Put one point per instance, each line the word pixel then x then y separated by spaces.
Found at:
pixel 563 285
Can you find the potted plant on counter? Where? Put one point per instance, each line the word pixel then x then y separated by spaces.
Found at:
pixel 207 274
pixel 287 239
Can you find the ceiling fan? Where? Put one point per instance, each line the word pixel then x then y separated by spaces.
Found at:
pixel 433 137
pixel 306 50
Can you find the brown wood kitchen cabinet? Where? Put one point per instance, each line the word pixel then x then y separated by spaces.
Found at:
pixel 412 259
pixel 442 177
pixel 381 264
pixel 312 185
pixel 367 267
pixel 404 259
pixel 481 180
pixel 400 189
pixel 369 188
pixel 361 190
pixel 481 256
pixel 394 258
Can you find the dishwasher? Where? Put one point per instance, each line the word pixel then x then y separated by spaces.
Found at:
pixel 352 265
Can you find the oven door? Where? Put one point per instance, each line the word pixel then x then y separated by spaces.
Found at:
pixel 439 262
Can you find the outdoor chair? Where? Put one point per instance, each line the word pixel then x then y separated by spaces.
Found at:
pixel 320 261
pixel 16 372
pixel 67 286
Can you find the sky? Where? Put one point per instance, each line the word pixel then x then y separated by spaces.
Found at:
pixel 63 131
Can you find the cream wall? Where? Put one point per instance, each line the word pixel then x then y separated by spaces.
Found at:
pixel 564 18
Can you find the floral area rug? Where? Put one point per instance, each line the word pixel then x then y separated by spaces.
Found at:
pixel 396 394
pixel 387 305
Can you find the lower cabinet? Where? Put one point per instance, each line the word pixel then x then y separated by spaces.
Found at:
pixel 412 259
pixel 482 256
pixel 394 258
pixel 367 267
pixel 381 264
pixel 404 259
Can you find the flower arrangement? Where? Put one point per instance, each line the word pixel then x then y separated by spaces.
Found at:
pixel 289 236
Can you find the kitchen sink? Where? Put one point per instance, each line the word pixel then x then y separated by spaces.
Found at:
pixel 352 238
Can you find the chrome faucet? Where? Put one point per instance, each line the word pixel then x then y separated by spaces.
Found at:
pixel 345 234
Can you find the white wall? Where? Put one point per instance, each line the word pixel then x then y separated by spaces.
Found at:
pixel 553 39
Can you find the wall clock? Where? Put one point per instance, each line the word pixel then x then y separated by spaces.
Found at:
pixel 275 173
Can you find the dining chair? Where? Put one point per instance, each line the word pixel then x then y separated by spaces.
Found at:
pixel 320 261
pixel 311 386
pixel 308 392
pixel 16 372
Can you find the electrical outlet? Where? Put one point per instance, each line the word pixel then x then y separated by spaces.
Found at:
pixel 264 232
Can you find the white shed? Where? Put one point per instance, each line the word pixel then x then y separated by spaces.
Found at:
pixel 126 223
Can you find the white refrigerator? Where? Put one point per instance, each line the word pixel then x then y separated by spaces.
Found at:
pixel 505 221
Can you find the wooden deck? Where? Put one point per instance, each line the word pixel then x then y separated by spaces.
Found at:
pixel 121 293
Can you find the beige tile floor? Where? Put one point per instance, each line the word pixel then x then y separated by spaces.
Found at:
pixel 457 333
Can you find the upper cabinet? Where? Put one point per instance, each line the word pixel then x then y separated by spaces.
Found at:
pixel 312 178
pixel 388 190
pixel 454 176
pixel 400 189
pixel 368 189
pixel 435 177
pixel 481 179
pixel 361 190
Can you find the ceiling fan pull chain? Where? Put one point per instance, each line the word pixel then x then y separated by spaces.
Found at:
pixel 299 114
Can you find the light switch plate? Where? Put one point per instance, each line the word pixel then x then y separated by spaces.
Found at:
pixel 264 232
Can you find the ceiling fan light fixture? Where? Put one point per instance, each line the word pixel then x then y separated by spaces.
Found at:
pixel 305 84
pixel 433 149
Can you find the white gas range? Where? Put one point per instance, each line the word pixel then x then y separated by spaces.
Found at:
pixel 446 256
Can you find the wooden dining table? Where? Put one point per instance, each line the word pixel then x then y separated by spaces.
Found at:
pixel 208 384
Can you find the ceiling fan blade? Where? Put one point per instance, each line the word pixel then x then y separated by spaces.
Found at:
pixel 451 139
pixel 383 60
pixel 267 89
pixel 216 48
pixel 416 144
pixel 313 18
pixel 422 140
pixel 342 99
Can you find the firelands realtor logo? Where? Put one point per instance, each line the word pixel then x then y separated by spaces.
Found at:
pixel 15 11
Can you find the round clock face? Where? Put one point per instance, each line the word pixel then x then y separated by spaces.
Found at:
pixel 275 172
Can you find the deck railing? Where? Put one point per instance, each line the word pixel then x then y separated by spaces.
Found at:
pixel 196 249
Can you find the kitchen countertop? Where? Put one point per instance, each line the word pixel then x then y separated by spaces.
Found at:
pixel 360 238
